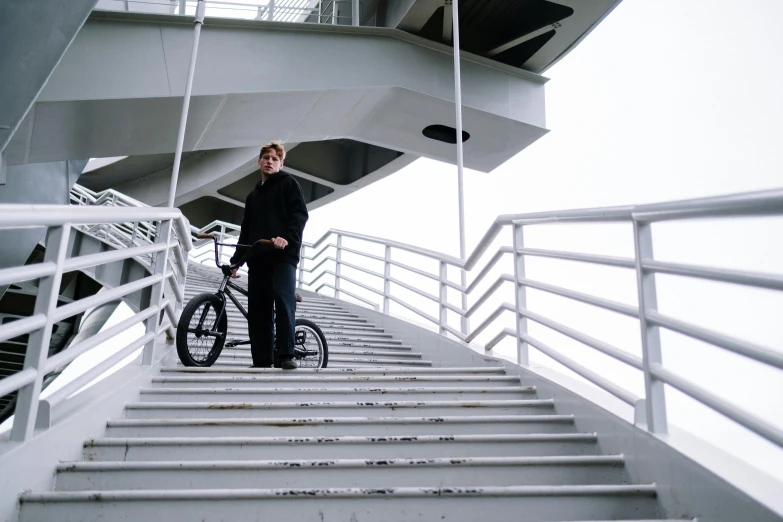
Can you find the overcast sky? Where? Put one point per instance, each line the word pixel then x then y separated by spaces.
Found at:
pixel 666 99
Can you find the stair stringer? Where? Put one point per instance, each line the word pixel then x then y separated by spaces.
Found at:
pixel 687 488
pixel 79 418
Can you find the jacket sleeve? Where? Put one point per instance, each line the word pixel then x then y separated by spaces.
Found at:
pixel 244 232
pixel 297 213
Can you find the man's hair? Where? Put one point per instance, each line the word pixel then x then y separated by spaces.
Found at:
pixel 276 146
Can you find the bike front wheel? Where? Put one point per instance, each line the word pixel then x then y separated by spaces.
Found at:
pixel 200 335
pixel 310 348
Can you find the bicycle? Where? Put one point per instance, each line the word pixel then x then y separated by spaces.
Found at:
pixel 211 322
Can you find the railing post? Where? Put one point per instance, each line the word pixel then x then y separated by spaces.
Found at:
pixel 655 398
pixel 222 240
pixel 271 6
pixel 335 12
pixel 38 341
pixel 135 231
pixel 443 297
pixel 156 295
pixel 300 278
pixel 320 10
pixel 386 276
pixel 520 293
pixel 338 267
pixel 355 13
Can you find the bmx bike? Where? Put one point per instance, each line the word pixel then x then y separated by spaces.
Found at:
pixel 203 326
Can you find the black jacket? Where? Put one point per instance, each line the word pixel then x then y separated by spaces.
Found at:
pixel 275 208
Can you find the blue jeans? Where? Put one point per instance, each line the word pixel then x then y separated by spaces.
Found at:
pixel 271 303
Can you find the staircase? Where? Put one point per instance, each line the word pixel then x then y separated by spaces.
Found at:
pixel 379 435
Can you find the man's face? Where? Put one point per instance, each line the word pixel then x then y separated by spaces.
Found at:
pixel 270 162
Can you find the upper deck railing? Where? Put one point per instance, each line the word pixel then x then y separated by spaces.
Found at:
pixel 332 12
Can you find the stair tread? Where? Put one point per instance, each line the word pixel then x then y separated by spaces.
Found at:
pixel 310 421
pixel 298 390
pixel 543 403
pixel 402 492
pixel 345 439
pixel 585 460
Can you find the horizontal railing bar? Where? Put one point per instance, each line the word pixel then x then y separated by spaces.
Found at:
pixel 414 289
pixel 413 309
pixel 22 326
pixel 504 278
pixel 402 246
pixel 592 342
pixel 491 263
pixel 18 215
pixel 740 277
pixel 507 332
pixel 623 262
pixel 357 283
pixel 347 292
pixel 456 309
pixel 363 254
pixel 484 242
pixel 580 370
pixel 584 215
pixel 361 269
pixel 420 272
pixel 456 333
pixel 756 425
pixel 494 315
pixel 110 256
pixel 97 370
pixel 72 352
pixel 614 306
pixel 18 274
pixel 17 381
pixel 321 262
pixel 759 203
pixel 163 327
pixel 324 249
pixel 750 350
pixel 98 299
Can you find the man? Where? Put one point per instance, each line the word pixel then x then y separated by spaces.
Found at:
pixel 274 210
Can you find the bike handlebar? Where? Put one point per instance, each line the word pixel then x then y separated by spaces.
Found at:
pixel 214 238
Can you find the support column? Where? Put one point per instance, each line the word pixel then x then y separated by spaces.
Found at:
pixel 460 179
pixel 199 21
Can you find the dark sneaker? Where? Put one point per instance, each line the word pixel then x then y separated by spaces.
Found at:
pixel 298 298
pixel 289 364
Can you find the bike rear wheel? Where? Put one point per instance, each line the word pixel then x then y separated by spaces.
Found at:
pixel 200 335
pixel 310 348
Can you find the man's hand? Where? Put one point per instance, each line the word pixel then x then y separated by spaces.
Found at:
pixel 279 242
pixel 234 272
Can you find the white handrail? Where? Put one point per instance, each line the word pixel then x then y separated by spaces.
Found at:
pixel 765 203
pixel 114 215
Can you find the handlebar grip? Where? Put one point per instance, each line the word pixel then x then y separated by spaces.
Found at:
pixel 205 236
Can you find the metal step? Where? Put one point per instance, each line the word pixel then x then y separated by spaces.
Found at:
pixel 402 504
pixel 332 381
pixel 481 370
pixel 342 426
pixel 222 410
pixel 377 361
pixel 300 394
pixel 342 473
pixel 365 447
pixel 244 353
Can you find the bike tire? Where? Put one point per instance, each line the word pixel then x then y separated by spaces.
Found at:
pixel 190 346
pixel 314 329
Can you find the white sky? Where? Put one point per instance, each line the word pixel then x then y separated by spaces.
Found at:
pixel 666 100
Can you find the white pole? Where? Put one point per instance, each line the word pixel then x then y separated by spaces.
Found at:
pixel 199 21
pixel 460 179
